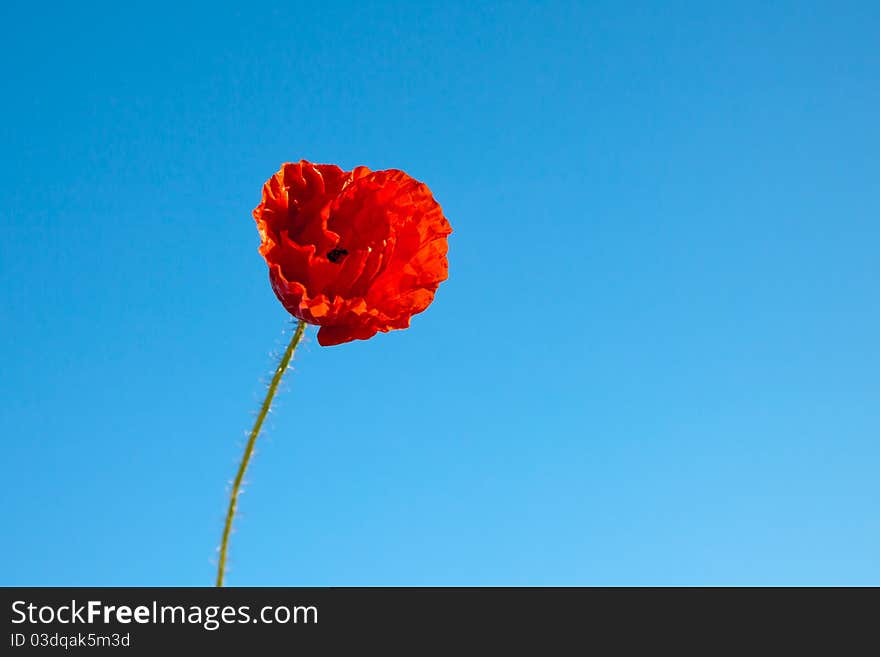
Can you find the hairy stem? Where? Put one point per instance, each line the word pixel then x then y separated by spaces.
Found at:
pixel 249 448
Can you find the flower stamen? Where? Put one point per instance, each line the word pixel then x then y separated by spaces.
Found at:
pixel 336 255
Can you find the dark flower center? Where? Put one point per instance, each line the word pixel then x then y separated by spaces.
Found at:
pixel 336 255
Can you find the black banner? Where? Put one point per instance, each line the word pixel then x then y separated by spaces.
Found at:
pixel 155 621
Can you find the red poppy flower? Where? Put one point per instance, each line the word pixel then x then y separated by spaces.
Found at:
pixel 356 252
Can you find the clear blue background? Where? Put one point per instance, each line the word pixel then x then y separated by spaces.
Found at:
pixel 655 360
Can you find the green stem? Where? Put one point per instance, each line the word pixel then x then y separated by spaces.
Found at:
pixel 249 448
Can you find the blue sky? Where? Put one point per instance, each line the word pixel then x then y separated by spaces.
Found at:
pixel 655 360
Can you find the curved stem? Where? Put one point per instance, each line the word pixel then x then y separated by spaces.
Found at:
pixel 249 448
